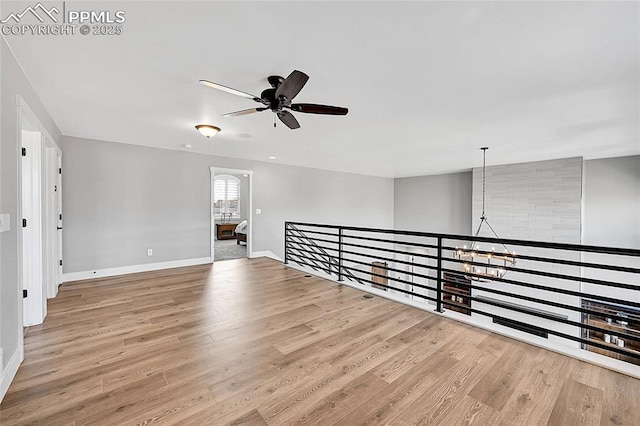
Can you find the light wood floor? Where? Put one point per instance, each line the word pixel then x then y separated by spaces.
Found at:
pixel 251 342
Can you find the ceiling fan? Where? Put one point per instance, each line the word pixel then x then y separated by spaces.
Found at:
pixel 278 99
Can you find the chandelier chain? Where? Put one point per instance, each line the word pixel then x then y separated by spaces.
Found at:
pixel 484 179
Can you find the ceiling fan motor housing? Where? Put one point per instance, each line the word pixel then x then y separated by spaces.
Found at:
pixel 275 81
pixel 269 95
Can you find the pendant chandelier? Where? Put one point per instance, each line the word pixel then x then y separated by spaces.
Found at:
pixel 484 264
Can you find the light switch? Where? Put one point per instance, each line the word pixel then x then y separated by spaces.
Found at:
pixel 5 222
pixel 258 211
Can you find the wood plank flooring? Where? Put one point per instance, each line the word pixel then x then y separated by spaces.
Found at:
pixel 250 342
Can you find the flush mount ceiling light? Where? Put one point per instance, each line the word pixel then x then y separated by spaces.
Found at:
pixel 485 264
pixel 207 130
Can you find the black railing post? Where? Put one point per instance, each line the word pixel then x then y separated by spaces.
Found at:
pixel 439 278
pixel 286 236
pixel 340 278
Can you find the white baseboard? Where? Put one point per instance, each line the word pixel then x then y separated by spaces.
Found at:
pixel 10 372
pixel 121 270
pixel 265 253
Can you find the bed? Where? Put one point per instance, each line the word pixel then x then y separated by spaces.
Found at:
pixel 241 232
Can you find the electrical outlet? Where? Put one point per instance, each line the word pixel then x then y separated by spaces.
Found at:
pixel 149 252
pixel 258 211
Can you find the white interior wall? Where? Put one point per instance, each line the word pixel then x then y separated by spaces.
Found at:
pixel 122 199
pixel 13 82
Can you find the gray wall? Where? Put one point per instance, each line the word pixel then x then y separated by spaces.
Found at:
pixel 437 203
pixel 119 200
pixel 12 82
pixel 612 218
pixel 612 202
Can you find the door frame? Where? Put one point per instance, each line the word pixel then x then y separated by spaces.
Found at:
pixel 224 170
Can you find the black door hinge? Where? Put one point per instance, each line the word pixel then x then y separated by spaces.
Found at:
pixel 60 216
pixel 24 223
pixel 59 170
pixel 60 262
pixel 24 294
pixel 24 151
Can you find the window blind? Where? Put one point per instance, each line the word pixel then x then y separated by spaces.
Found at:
pixel 226 195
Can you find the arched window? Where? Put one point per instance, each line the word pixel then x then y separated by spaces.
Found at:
pixel 226 196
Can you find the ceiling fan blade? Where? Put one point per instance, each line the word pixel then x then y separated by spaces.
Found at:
pixel 292 85
pixel 288 119
pixel 319 109
pixel 243 112
pixel 230 90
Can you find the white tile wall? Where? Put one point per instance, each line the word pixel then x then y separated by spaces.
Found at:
pixel 532 201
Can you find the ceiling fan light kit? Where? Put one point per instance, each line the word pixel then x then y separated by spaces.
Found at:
pixel 278 99
pixel 207 130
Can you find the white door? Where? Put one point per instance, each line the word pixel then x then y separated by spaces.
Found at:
pixel 34 304
pixel 50 221
pixel 59 218
pixel 48 224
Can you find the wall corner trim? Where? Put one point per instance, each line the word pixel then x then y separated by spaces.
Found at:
pixel 10 372
pixel 132 269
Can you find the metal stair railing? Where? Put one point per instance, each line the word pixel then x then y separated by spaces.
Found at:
pixel 319 256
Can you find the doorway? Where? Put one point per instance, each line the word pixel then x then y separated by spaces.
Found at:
pixel 57 255
pixel 39 209
pixel 231 208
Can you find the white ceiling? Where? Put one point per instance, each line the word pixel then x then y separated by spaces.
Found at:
pixel 426 83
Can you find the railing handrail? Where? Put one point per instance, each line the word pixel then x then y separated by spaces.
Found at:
pixel 527 243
